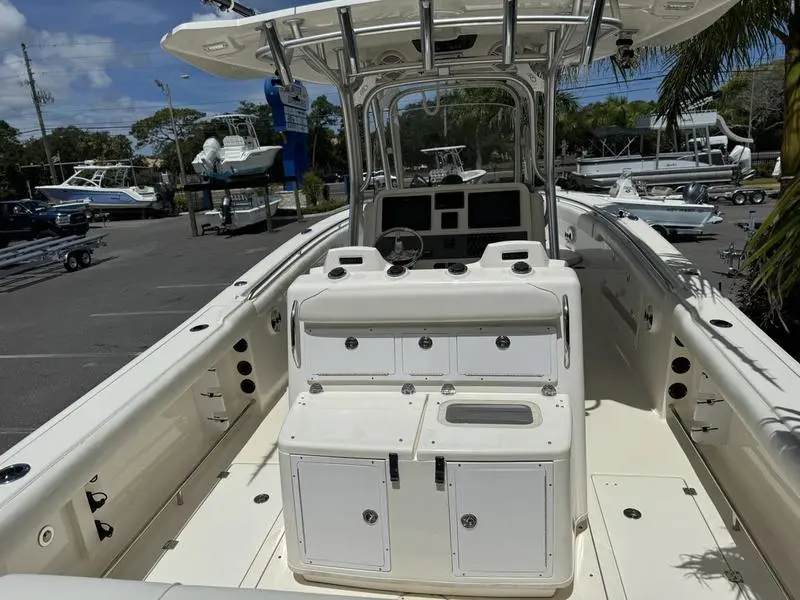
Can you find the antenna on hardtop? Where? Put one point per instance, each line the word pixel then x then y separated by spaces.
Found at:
pixel 238 8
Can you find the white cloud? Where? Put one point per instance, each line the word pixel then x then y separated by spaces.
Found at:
pixel 72 68
pixel 128 12
pixel 12 22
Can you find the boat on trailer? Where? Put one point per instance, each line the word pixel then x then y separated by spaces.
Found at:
pixel 686 213
pixel 703 160
pixel 468 390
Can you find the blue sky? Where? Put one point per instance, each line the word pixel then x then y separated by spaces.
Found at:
pixel 99 59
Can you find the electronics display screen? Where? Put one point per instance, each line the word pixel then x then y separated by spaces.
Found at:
pixel 413 212
pixel 449 200
pixel 495 209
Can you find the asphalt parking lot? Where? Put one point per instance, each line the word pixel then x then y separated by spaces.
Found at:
pixel 704 251
pixel 62 334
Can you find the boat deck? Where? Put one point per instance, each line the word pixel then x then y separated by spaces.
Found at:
pixel 680 547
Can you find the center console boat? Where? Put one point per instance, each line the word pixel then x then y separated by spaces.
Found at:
pixel 470 390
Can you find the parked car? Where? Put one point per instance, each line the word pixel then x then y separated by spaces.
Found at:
pixel 378 180
pixel 23 220
pixel 333 178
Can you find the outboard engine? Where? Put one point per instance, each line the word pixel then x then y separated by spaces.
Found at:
pixel 209 156
pixel 695 193
pixel 742 156
pixel 226 211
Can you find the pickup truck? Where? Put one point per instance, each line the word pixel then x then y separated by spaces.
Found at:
pixel 23 220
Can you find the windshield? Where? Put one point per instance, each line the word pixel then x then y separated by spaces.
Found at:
pixel 36 205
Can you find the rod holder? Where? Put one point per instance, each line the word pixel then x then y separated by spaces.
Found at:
pixel 426 33
pixel 278 56
pixel 509 31
pixel 348 39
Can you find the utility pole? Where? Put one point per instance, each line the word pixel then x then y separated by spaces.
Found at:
pixel 37 104
pixel 190 202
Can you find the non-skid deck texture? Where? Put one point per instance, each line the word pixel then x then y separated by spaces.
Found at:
pixel 679 548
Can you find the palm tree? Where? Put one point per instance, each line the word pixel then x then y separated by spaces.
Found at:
pixel 482 111
pixel 698 66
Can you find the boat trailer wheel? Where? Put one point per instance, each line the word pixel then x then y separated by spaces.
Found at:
pixel 77 259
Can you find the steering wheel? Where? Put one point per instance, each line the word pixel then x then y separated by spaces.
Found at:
pixel 400 246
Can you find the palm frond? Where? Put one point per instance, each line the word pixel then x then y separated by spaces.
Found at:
pixel 774 250
pixel 697 66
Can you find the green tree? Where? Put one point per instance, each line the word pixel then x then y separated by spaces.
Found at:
pixel 322 118
pixel 699 65
pixel 73 144
pixel 754 97
pixel 488 114
pixel 156 131
pixel 263 124
pixel 11 179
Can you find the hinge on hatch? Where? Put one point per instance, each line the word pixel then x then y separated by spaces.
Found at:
pixel 169 545
pixel 690 491
pixel 222 474
pixel 394 468
pixel 704 429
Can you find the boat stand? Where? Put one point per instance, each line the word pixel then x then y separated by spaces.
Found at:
pixel 733 255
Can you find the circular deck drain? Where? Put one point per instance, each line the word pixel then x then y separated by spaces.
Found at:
pixel 46 535
pixel 632 513
pixel 370 516
pixel 469 521
pixel 261 498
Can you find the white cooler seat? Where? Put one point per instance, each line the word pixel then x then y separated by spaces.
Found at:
pixel 384 490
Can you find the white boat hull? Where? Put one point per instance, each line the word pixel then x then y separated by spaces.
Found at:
pixel 241 217
pixel 247 162
pixel 181 412
pixel 672 214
